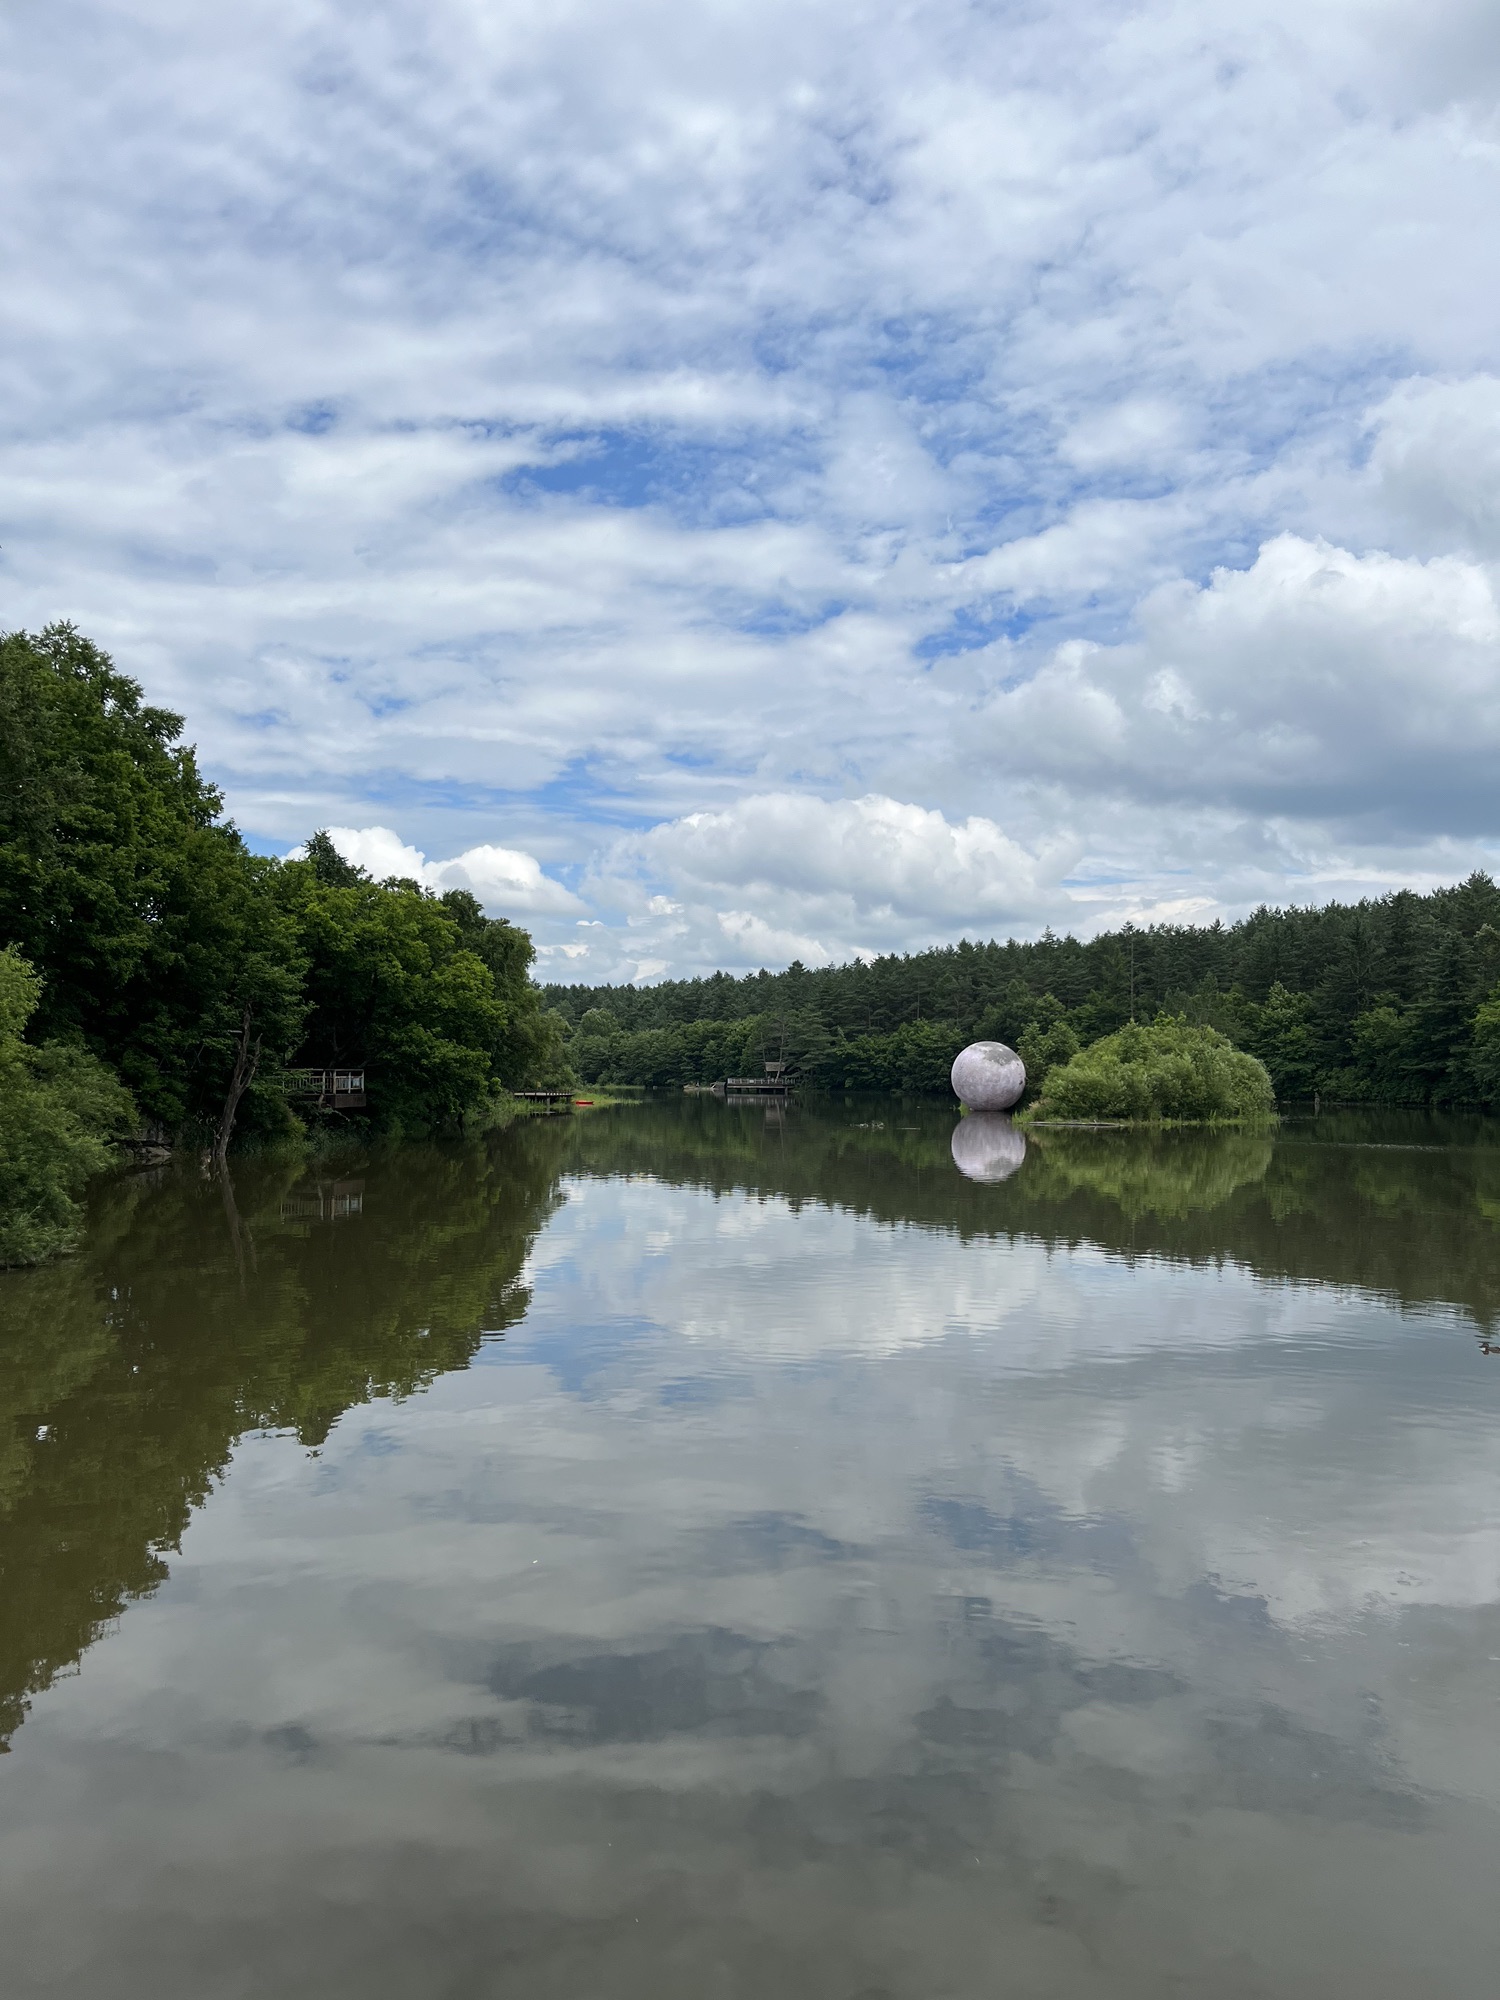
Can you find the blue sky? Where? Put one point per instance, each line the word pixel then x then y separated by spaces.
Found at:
pixel 732 482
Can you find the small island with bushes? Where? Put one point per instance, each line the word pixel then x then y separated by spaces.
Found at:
pixel 1169 1071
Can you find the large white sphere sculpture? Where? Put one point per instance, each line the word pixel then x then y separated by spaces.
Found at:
pixel 987 1146
pixel 987 1076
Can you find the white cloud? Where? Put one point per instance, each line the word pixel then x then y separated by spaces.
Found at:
pixel 881 854
pixel 507 882
pixel 783 875
pixel 1316 683
pixel 1436 461
pixel 1095 548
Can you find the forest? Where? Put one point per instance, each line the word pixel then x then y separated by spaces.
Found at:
pixel 1393 1000
pixel 156 977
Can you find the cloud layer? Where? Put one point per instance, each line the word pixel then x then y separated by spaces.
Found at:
pixel 1316 683
pixel 782 875
pixel 559 433
pixel 507 882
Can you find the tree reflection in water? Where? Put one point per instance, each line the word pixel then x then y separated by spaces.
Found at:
pixel 1402 1205
pixel 200 1309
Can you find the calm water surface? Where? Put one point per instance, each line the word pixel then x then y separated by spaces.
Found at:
pixel 697 1552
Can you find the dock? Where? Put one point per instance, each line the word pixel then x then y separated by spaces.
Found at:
pixel 774 1085
pixel 340 1089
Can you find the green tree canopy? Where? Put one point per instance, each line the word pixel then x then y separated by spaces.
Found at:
pixel 390 985
pixel 199 971
pixel 153 928
pixel 59 1108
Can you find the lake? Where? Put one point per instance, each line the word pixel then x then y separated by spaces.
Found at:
pixel 701 1552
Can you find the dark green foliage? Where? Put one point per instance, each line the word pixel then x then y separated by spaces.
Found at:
pixel 390 985
pixel 1012 1014
pixel 1171 1070
pixel 917 1057
pixel 428 993
pixel 1380 1066
pixel 59 1109
pixel 432 997
pixel 1484 1051
pixel 696 1052
pixel 198 971
pixel 1375 1002
pixel 530 1051
pixel 1442 1022
pixel 1281 1034
pixel 329 866
pixel 151 926
pixel 1044 1046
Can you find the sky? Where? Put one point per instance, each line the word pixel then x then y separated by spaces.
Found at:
pixel 738 482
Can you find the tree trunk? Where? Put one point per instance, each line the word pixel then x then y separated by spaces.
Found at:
pixel 246 1057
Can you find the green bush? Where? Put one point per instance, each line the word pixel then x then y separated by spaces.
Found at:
pixel 59 1107
pixel 1046 1048
pixel 1171 1070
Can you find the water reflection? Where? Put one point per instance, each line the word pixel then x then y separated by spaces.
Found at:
pixel 199 1310
pixel 835 1576
pixel 987 1146
pixel 1404 1205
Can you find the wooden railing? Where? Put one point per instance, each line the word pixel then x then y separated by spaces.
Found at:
pixel 344 1088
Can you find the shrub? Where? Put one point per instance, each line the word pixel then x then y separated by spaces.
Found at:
pixel 1169 1070
pixel 59 1107
pixel 1044 1049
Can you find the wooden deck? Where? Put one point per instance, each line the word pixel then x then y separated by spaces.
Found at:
pixel 343 1089
pixel 757 1086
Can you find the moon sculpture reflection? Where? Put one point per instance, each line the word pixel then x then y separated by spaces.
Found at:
pixel 988 1076
pixel 987 1147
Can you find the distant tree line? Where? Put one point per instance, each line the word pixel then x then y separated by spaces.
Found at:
pixel 1394 1000
pixel 155 974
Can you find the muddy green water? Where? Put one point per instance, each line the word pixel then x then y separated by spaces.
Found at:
pixel 693 1553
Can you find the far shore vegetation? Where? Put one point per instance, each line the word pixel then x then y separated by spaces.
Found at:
pixel 1392 1001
